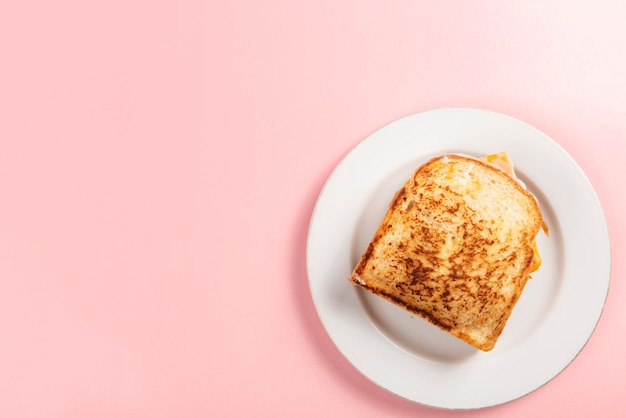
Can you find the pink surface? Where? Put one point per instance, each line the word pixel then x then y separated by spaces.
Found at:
pixel 159 163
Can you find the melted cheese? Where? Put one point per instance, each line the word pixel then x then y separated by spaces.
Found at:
pixel 502 161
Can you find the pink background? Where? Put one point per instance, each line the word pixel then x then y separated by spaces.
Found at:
pixel 159 163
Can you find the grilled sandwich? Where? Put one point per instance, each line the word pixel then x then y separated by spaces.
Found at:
pixel 456 246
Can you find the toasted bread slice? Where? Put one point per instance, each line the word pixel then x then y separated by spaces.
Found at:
pixel 455 247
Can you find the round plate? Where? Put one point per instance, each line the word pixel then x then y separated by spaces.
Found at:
pixel 404 354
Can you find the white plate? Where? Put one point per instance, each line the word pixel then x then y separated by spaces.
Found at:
pixel 404 354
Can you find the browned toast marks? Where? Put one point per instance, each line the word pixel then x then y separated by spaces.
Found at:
pixel 455 247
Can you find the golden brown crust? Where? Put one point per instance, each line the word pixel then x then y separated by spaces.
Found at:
pixel 455 247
